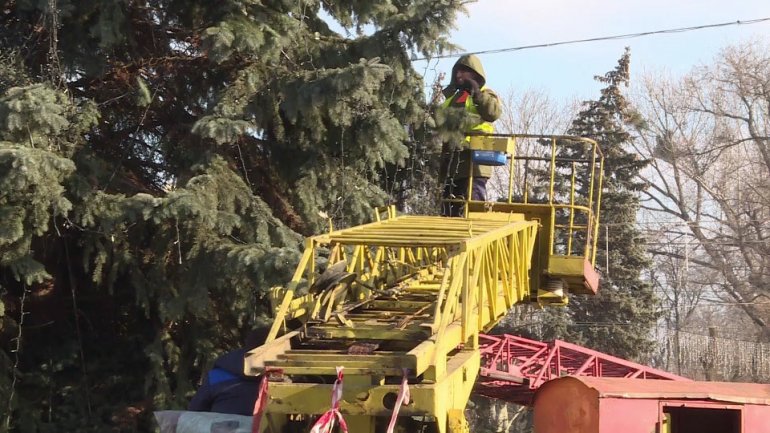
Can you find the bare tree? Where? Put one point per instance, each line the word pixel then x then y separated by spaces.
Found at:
pixel 708 137
pixel 528 111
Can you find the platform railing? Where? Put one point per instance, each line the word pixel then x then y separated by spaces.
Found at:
pixel 561 171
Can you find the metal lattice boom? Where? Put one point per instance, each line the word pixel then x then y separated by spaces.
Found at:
pixel 422 288
pixel 514 367
pixel 408 296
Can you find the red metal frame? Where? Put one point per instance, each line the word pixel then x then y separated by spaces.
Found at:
pixel 513 367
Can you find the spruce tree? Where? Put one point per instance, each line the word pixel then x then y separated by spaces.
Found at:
pixel 159 165
pixel 619 319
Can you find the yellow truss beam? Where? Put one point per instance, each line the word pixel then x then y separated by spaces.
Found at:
pixel 424 286
pixel 414 292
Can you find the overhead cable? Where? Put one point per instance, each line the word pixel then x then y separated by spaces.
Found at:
pixel 597 39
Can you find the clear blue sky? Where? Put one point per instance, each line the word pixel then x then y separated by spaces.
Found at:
pixel 567 71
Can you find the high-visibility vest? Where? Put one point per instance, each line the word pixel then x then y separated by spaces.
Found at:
pixel 485 127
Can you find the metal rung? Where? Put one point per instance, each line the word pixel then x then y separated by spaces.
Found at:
pixel 364 361
pixel 332 370
pixel 369 333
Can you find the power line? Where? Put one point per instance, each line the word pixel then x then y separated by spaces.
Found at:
pixel 599 38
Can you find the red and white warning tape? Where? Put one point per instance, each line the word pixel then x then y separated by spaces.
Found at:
pixel 402 399
pixel 325 423
pixel 261 403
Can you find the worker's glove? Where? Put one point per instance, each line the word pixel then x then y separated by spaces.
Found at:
pixel 472 86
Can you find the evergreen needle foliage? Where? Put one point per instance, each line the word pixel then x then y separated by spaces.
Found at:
pixel 620 318
pixel 159 165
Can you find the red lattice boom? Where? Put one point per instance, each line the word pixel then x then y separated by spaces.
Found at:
pixel 512 367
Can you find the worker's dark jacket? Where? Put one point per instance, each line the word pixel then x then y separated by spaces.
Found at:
pixel 226 389
pixel 486 104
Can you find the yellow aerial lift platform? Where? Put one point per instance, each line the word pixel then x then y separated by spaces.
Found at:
pixel 401 301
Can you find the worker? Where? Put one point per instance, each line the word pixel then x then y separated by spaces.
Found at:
pixel 225 388
pixel 467 91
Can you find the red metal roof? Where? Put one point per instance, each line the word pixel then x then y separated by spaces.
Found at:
pixel 733 392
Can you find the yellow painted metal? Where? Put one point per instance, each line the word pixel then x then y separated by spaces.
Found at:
pixel 596 218
pixel 430 285
pixel 511 155
pixel 424 288
pixel 552 183
pixel 505 144
pixel 551 299
pixel 456 421
pixel 592 164
pixel 665 423
pixel 361 398
pixel 571 225
pixel 565 265
pixel 525 186
pixel 592 184
pixel 389 210
pixel 289 292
